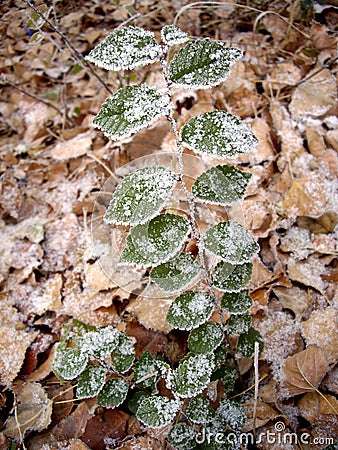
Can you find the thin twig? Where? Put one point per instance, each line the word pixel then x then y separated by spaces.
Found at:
pixel 74 51
pixel 256 354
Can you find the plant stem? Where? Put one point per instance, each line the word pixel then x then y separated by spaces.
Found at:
pixel 79 58
pixel 189 196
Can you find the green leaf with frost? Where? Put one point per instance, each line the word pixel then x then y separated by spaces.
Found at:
pixel 124 354
pixel 221 185
pixel 200 410
pixel 190 310
pixel 90 382
pixel 177 274
pixel 172 35
pixel 156 412
pixel 236 302
pixel 220 354
pixel 126 48
pixel 68 363
pixel 135 400
pixel 113 393
pixel 156 241
pixel 182 437
pixel 239 323
pixel 193 374
pixel 129 110
pixel 231 242
pixel 227 375
pixel 205 338
pixel 140 196
pixel 229 414
pixel 146 371
pixel 231 277
pixel 202 64
pixel 246 343
pixel 219 134
pixel 100 343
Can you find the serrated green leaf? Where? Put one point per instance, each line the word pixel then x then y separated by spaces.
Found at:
pixel 68 363
pixel 219 134
pixel 90 382
pixel 221 185
pixel 135 400
pixel 140 196
pixel 246 343
pixel 145 366
pixel 156 412
pixel 156 241
pixel 113 393
pixel 182 437
pixel 100 343
pixel 172 35
pixel 227 375
pixel 236 302
pixel 126 48
pixel 202 64
pixel 231 242
pixel 220 354
pixel 229 414
pixel 205 338
pixel 190 310
pixel 193 374
pixel 177 274
pixel 79 329
pixel 200 410
pixel 129 110
pixel 239 323
pixel 124 354
pixel 231 277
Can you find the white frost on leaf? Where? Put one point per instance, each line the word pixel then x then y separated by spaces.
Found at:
pixel 172 35
pixel 203 64
pixel 156 412
pixel 126 48
pixel 129 110
pixel 140 196
pixel 219 134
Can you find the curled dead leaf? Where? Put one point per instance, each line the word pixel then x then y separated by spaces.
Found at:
pixel 304 371
pixel 312 405
pixel 34 411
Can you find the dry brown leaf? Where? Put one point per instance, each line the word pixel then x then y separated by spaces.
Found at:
pixel 315 97
pixel 73 148
pixel 322 329
pixel 151 308
pixel 34 411
pixel 307 196
pixel 331 138
pixel 13 346
pixel 308 272
pixel 74 425
pixel 44 370
pixel 289 135
pixel 282 75
pixel 312 405
pixel 265 413
pixel 293 298
pixel 141 443
pixel 315 140
pixel 304 371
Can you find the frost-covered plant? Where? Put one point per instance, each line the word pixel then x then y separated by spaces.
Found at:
pixel 100 356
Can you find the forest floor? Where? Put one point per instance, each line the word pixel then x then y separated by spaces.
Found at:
pixel 53 165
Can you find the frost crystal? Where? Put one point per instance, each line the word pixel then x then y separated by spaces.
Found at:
pixel 126 48
pixel 156 241
pixel 190 310
pixel 129 110
pixel 193 374
pixel 221 185
pixel 230 241
pixel 140 196
pixel 172 35
pixel 157 412
pixel 202 64
pixel 218 133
